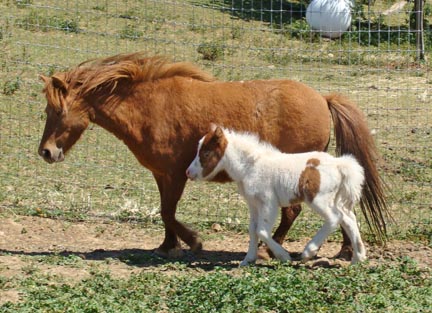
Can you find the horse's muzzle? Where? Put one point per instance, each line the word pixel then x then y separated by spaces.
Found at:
pixel 51 156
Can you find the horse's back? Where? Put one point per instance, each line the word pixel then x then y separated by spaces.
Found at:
pixel 265 107
pixel 291 115
pixel 288 114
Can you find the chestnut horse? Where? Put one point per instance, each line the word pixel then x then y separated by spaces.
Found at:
pixel 160 110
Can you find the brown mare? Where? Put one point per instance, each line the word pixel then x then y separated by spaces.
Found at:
pixel 160 110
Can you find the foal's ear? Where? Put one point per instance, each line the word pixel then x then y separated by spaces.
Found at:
pixel 59 83
pixel 218 132
pixel 213 127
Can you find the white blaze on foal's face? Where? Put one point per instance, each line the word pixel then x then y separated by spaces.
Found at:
pixel 211 149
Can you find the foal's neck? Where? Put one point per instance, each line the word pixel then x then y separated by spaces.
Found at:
pixel 240 158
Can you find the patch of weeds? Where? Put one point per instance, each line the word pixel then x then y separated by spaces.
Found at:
pixel 34 22
pixel 421 231
pixel 129 14
pixel 69 26
pixel 30 269
pixel 11 86
pixel 299 29
pixel 211 51
pixel 70 260
pixel 137 258
pixel 23 3
pixel 102 8
pixel 51 70
pixel 131 32
pixel 197 26
pixel 4 282
pixel 236 32
pixel 37 22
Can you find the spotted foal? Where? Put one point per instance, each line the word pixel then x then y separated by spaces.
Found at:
pixel 269 179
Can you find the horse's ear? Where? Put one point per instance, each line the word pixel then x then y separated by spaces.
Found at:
pixel 59 83
pixel 44 78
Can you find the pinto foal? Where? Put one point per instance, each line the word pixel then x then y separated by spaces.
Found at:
pixel 269 179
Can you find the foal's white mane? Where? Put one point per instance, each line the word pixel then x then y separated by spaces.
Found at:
pixel 248 142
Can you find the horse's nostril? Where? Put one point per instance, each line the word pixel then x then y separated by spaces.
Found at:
pixel 46 154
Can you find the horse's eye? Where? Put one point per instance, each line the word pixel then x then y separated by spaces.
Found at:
pixel 206 154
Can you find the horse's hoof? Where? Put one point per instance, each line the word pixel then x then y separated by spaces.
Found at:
pixel 346 253
pixel 264 253
pixel 174 253
pixel 197 246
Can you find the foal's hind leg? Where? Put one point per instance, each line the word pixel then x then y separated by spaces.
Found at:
pixel 349 223
pixel 332 219
pixel 171 189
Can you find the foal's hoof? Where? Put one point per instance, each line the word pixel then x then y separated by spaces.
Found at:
pixel 346 253
pixel 175 253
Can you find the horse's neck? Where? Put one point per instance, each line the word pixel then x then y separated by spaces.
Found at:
pixel 118 118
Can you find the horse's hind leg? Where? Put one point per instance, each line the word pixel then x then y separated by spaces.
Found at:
pixel 288 216
pixel 171 189
pixel 346 251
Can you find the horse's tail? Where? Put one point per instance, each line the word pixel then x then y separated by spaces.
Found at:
pixel 353 137
pixel 352 180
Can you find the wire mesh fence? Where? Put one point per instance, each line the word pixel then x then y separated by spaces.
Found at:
pixel 376 62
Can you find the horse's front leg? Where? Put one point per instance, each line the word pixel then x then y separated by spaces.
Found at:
pixel 171 189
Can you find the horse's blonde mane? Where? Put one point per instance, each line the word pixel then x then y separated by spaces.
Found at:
pixel 133 68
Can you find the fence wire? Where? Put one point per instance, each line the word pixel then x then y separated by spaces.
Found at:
pixel 375 62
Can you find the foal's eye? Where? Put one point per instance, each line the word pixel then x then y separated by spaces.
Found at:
pixel 206 154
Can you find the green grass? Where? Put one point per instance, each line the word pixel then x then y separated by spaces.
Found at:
pixel 401 287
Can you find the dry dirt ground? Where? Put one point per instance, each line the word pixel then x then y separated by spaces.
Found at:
pixel 124 249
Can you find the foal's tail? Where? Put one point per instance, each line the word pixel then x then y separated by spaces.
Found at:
pixel 352 180
pixel 353 137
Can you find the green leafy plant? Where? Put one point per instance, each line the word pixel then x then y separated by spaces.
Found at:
pixel 131 32
pixel 11 86
pixel 211 51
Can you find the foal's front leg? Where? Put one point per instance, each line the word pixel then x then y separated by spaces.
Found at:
pixel 252 253
pixel 266 218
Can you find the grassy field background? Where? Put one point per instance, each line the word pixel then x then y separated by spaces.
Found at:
pixel 238 40
pixel 374 64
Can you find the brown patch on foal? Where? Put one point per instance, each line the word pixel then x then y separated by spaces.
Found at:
pixel 309 181
pixel 212 150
